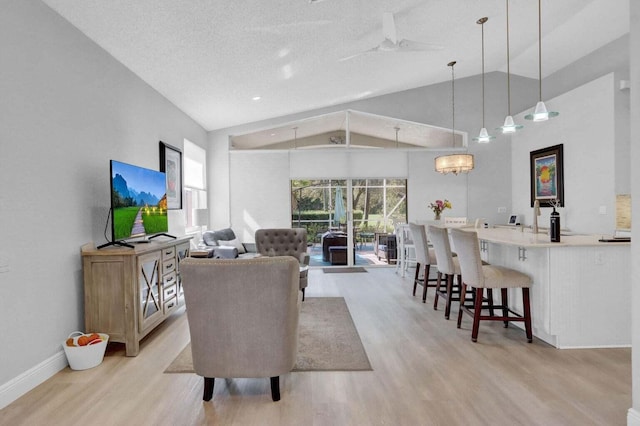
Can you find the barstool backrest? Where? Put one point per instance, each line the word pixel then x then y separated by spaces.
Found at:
pixel 419 236
pixel 440 241
pixel 468 251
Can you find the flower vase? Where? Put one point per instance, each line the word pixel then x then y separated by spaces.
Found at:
pixel 437 216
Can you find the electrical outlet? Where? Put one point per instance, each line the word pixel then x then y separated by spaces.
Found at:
pixel 502 209
pixel 603 210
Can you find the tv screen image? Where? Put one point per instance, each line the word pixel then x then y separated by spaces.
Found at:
pixel 138 201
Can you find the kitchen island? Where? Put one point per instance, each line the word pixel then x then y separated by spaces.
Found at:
pixel 581 292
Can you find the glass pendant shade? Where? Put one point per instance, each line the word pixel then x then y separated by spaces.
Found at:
pixel 454 163
pixel 509 126
pixel 541 113
pixel 484 136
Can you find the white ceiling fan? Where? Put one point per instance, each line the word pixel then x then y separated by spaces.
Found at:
pixel 391 42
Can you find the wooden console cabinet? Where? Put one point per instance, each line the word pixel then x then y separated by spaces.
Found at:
pixel 129 291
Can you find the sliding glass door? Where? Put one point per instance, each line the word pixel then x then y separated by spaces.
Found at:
pixel 344 217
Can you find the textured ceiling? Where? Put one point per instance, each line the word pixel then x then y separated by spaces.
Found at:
pixel 210 58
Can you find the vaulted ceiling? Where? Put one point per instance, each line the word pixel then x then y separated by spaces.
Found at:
pixel 213 59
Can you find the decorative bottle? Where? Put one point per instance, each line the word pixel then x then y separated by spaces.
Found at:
pixel 554 231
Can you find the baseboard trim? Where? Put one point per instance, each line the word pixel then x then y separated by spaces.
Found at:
pixel 633 417
pixel 31 378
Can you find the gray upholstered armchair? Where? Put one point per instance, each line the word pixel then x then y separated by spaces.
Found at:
pixel 243 317
pixel 286 242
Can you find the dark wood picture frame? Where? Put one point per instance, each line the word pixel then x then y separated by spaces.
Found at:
pixel 171 164
pixel 547 175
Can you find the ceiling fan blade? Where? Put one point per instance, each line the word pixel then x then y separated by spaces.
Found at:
pixel 347 58
pixel 405 45
pixel 389 27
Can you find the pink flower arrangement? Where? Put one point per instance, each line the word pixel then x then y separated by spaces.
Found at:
pixel 439 205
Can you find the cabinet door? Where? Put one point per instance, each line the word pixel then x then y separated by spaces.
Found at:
pixel 182 251
pixel 150 291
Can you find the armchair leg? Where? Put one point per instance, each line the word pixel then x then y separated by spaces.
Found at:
pixel 208 388
pixel 303 294
pixel 275 388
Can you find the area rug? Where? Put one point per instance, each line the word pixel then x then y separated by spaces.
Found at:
pixel 327 340
pixel 343 270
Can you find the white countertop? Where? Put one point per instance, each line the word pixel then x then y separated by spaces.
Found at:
pixel 525 238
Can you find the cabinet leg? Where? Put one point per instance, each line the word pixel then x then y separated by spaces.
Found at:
pixel 132 348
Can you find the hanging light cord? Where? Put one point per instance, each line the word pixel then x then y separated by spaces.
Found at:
pixel 540 47
pixel 453 106
pixel 482 26
pixel 508 67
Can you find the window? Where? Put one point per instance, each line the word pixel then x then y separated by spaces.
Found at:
pixel 195 182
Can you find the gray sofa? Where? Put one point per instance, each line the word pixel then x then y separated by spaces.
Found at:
pixel 222 240
pixel 243 317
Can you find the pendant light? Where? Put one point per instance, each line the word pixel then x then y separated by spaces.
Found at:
pixel 454 163
pixel 484 136
pixel 540 113
pixel 509 126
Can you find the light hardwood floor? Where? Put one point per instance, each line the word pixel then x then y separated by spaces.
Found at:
pixel 425 372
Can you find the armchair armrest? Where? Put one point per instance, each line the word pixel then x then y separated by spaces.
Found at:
pixel 225 252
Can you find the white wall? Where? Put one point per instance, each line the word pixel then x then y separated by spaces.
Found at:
pixel 586 128
pixel 260 194
pixel 634 413
pixel 66 108
pixel 260 182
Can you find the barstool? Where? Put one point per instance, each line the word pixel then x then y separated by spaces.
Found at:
pixel 447 266
pixel 481 276
pixel 425 257
pixel 406 248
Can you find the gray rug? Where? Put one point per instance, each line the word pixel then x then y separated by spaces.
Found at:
pixel 343 270
pixel 327 340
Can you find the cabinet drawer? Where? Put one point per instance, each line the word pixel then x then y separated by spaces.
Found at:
pixel 168 265
pixel 168 253
pixel 170 291
pixel 170 304
pixel 169 279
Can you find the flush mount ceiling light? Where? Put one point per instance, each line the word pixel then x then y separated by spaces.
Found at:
pixel 540 113
pixel 509 126
pixel 484 136
pixel 454 163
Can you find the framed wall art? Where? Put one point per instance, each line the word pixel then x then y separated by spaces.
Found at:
pixel 171 165
pixel 547 176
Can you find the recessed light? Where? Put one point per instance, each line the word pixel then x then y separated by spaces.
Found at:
pixel 256 98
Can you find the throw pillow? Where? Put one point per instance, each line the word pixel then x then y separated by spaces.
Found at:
pixel 233 243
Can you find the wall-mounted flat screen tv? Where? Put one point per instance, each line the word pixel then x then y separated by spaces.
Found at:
pixel 138 202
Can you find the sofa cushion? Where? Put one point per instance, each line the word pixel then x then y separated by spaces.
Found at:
pixel 233 243
pixel 211 238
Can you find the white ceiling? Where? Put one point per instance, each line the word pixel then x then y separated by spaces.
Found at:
pixel 211 57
